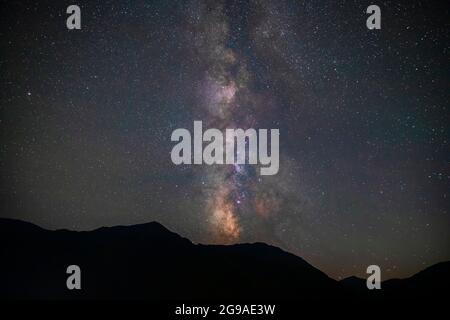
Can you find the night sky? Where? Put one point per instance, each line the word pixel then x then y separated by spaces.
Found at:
pixel 87 117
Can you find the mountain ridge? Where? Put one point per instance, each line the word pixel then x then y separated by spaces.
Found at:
pixel 148 261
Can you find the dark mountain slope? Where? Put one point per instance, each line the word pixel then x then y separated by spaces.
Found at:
pixel 431 282
pixel 148 261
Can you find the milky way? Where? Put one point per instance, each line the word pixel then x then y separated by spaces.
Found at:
pixel 228 101
pixel 87 116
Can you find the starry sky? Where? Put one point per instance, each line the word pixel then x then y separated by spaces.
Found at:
pixel 87 117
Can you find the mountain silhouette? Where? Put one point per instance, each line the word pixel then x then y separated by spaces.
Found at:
pixel 148 261
pixel 431 282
